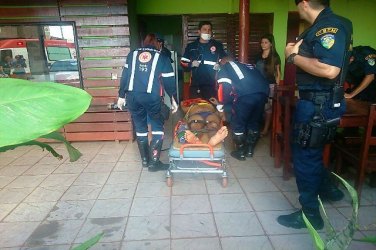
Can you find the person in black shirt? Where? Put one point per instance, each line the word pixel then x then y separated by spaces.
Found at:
pixel 321 55
pixel 201 57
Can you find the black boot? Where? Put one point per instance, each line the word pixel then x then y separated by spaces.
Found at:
pixel 239 153
pixel 328 191
pixel 155 151
pixel 143 147
pixel 372 180
pixel 252 139
pixel 295 220
pixel 332 193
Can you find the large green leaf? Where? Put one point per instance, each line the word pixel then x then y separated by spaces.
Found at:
pixel 29 109
pixel 32 143
pixel 319 243
pixel 74 154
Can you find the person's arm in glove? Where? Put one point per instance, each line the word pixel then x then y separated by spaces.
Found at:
pixel 121 103
pixel 174 105
pixel 195 64
pixel 216 67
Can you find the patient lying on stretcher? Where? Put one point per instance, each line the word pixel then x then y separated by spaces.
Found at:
pixel 202 124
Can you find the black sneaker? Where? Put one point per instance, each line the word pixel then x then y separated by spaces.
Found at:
pixel 295 220
pixel 238 155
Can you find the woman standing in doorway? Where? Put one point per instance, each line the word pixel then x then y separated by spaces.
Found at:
pixel 269 64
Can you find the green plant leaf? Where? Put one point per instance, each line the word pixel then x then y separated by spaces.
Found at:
pixel 74 154
pixel 31 143
pixel 330 231
pixel 319 243
pixel 89 243
pixel 29 109
pixel 343 238
pixel 371 239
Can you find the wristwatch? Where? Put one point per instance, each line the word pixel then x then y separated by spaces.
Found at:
pixel 291 58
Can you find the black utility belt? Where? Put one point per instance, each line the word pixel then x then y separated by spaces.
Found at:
pixel 315 97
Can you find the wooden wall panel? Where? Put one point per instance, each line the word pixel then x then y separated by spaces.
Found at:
pixel 30 3
pixel 102 92
pixel 101 83
pixel 100 136
pixel 93 10
pixel 106 63
pixel 107 31
pixel 89 42
pixel 93 20
pixel 86 73
pixel 112 52
pixel 92 2
pixel 21 12
pixel 118 116
pixel 98 127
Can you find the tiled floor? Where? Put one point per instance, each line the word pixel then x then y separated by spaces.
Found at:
pixel 51 204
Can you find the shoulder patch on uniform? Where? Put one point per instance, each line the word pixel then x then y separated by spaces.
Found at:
pixel 327 41
pixel 144 57
pixel 371 59
pixel 326 30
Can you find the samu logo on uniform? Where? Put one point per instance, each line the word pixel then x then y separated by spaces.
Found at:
pixel 213 49
pixel 371 59
pixel 144 57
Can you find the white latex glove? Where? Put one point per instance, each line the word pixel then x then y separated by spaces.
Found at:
pixel 121 103
pixel 174 106
pixel 216 67
pixel 195 63
pixel 220 107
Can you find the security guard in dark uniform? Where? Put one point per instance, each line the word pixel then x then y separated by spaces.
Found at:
pixel 321 56
pixel 141 80
pixel 201 57
pixel 247 89
pixel 361 74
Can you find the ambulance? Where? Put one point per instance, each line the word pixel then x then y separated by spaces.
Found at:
pixel 38 58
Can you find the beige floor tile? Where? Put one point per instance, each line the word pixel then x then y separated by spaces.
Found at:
pixel 148 228
pixel 55 233
pixel 238 224
pixel 14 234
pixel 112 229
pixel 192 226
pixel 146 245
pixel 222 203
pixel 110 208
pixel 246 243
pixel 190 204
pixel 70 210
pixel 269 201
pixel 196 243
pixel 151 206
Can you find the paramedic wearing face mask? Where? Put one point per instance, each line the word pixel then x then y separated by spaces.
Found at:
pixel 201 57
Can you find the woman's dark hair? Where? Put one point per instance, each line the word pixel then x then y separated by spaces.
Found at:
pixel 151 40
pixel 273 57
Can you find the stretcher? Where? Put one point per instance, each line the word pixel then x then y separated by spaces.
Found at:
pixel 196 157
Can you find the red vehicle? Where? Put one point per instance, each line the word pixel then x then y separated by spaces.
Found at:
pixel 37 57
